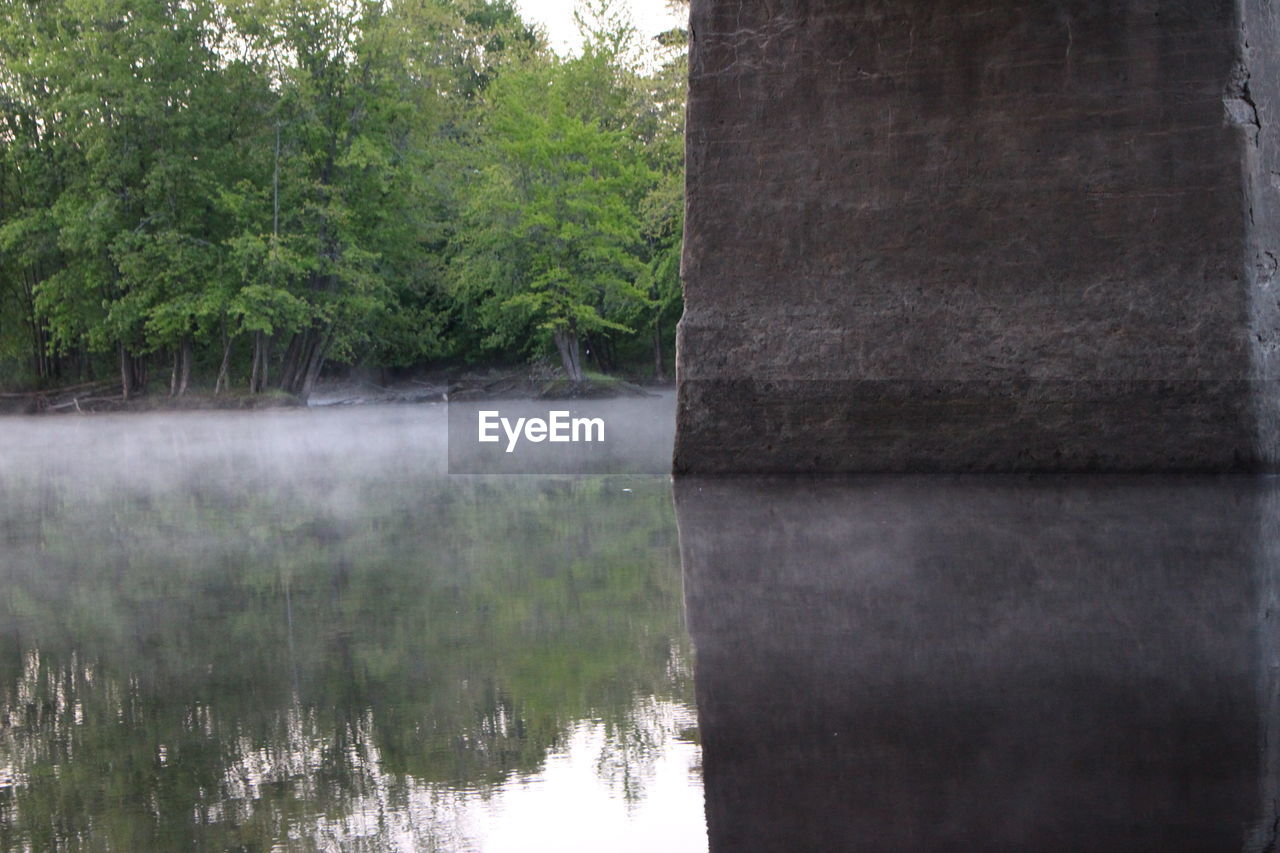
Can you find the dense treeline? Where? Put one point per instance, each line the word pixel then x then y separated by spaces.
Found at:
pixel 243 191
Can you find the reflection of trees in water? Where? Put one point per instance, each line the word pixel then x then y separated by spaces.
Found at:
pixel 632 746
pixel 203 665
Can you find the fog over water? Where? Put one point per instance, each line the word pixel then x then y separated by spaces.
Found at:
pixel 293 629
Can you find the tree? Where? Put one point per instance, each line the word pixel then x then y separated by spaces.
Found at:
pixel 129 216
pixel 359 181
pixel 663 209
pixel 550 248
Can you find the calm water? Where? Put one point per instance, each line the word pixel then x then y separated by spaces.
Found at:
pixel 295 631
pixel 987 663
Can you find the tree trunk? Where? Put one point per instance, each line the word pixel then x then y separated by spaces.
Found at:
pixel 40 360
pixel 253 370
pixel 313 371
pixel 659 368
pixel 258 373
pixel 226 362
pixel 140 373
pixel 601 349
pixel 570 353
pixel 306 357
pixel 289 368
pixel 184 371
pixel 609 347
pixel 126 373
pixel 133 373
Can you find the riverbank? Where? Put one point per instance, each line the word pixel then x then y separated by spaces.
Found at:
pixel 100 397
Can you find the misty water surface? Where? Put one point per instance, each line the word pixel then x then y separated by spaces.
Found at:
pixel 293 630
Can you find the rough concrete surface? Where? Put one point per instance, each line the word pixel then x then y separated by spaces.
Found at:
pixel 953 235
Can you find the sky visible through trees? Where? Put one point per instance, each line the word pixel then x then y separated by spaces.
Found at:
pixel 651 17
pixel 234 195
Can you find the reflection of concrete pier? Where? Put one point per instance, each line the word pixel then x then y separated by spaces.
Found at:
pixel 984 664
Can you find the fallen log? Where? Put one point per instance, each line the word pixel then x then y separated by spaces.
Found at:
pixel 86 387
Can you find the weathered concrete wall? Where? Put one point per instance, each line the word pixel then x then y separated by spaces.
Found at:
pixel 981 235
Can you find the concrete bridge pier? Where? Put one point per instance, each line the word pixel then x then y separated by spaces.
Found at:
pixel 981 235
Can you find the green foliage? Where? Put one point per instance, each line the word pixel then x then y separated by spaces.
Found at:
pixel 374 182
pixel 574 207
pixel 550 232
